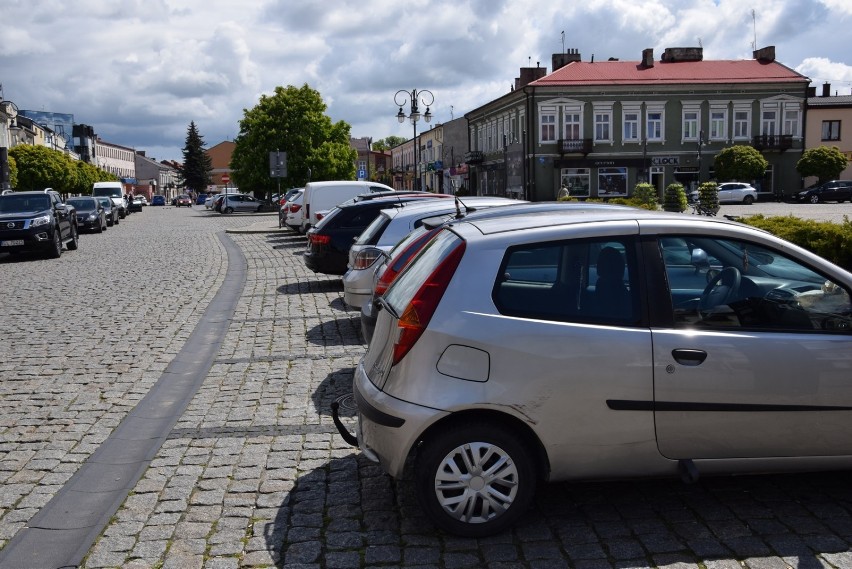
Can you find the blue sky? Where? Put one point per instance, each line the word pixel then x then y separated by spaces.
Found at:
pixel 139 71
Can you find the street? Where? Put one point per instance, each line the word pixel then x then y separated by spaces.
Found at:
pixel 250 471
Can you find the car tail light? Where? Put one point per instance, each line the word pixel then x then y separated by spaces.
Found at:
pixel 319 216
pixel 400 261
pixel 416 316
pixel 294 207
pixel 366 257
pixel 318 239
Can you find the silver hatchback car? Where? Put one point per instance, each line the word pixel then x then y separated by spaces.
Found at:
pixel 611 344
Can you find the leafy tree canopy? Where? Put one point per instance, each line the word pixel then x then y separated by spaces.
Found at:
pixel 740 162
pixel 824 162
pixel 40 167
pixel 388 143
pixel 197 166
pixel 291 120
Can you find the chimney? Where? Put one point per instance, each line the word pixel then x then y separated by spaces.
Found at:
pixel 826 89
pixel 530 74
pixel 675 54
pixel 560 60
pixel 811 92
pixel 648 57
pixel 765 54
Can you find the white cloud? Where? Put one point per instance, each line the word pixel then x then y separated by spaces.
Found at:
pixel 140 70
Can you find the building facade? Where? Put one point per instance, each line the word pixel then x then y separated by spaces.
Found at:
pixel 220 161
pixel 827 114
pixel 154 178
pixel 596 129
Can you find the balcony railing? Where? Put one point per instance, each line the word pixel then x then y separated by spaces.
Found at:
pixel 780 142
pixel 575 145
pixel 474 157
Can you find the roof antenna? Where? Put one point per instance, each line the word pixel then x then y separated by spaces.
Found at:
pixel 563 41
pixel 754 27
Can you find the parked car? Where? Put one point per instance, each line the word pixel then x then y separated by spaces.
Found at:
pixel 110 210
pixel 37 221
pixel 833 191
pixel 183 200
pixel 211 199
pixel 391 226
pixel 737 192
pixel 572 346
pixel 135 205
pixel 158 200
pixel 91 215
pixel 329 242
pixel 115 191
pixel 201 199
pixel 142 199
pixel 323 196
pixel 244 203
pixel 292 211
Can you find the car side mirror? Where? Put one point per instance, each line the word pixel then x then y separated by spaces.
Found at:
pixel 699 259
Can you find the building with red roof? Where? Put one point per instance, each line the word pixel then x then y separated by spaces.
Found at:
pixel 597 128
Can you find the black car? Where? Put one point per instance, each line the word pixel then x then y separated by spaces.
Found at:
pixel 833 191
pixel 37 221
pixel 330 240
pixel 90 214
pixel 113 215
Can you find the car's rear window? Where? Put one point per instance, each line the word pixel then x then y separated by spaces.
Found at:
pixel 404 288
pixel 111 192
pixel 371 234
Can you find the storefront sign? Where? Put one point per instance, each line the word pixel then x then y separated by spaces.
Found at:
pixel 665 160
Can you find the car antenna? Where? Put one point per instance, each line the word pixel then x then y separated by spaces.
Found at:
pixel 459 205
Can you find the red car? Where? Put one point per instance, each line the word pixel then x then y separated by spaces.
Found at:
pixel 182 200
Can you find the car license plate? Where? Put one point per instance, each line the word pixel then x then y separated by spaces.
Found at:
pixel 12 243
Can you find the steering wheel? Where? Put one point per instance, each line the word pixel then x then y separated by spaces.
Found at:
pixel 722 289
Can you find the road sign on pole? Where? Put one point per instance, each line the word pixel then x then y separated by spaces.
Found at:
pixel 278 164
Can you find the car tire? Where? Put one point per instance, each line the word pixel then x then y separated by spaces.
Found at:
pixel 813 199
pixel 443 476
pixel 228 210
pixel 748 200
pixel 55 250
pixel 74 243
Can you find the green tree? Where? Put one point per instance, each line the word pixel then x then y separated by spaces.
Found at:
pixel 740 162
pixel 13 172
pixel 387 143
pixel 292 120
pixel 40 167
pixel 645 195
pixel 824 162
pixel 708 196
pixel 195 173
pixel 86 175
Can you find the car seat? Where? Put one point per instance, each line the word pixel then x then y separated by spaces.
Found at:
pixel 611 294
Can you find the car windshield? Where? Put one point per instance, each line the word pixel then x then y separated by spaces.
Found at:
pixel 14 204
pixel 112 192
pixel 81 203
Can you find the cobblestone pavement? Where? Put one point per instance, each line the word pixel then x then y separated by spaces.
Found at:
pixel 254 473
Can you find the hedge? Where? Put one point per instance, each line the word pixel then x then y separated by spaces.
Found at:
pixel 831 241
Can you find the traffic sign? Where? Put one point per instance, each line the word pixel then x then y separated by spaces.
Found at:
pixel 226 178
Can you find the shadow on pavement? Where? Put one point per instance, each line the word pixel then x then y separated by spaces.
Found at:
pixel 337 332
pixel 311 287
pixel 348 513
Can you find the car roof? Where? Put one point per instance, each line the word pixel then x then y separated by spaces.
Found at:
pixel 461 204
pixel 489 226
pixel 527 208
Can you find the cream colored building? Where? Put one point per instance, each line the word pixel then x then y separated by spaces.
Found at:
pixel 829 123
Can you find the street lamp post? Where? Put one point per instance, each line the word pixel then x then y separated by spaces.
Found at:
pixel 414 95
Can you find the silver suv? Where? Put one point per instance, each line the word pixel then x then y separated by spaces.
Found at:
pixel 610 344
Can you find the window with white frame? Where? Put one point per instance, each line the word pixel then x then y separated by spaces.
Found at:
pixel 547 118
pixel 575 182
pixel 573 125
pixel 603 122
pixel 655 122
pixel 831 130
pixel 691 120
pixel 769 121
pixel 742 121
pixel 791 120
pixel 612 181
pixel 718 123
pixel 630 121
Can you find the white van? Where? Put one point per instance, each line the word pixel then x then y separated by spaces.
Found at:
pixel 322 196
pixel 115 191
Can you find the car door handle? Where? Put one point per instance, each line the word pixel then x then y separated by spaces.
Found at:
pixel 689 357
